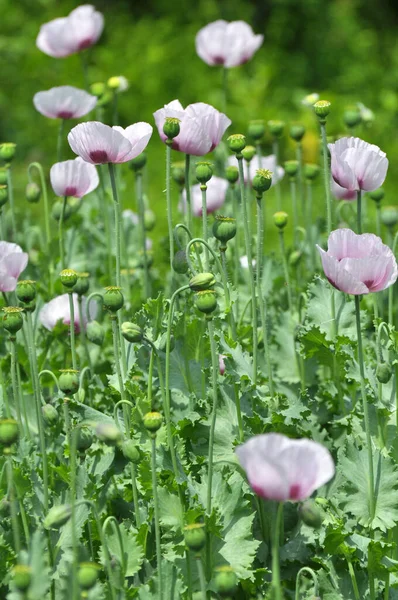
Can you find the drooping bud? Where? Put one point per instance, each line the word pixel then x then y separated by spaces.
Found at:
pixel 352 117
pixel 26 290
pixel 7 151
pixel 149 219
pixel 68 278
pixel 311 514
pixel 108 433
pixel 131 451
pixel 322 109
pixel 3 195
pixel 180 263
pixel 113 299
pixel 32 192
pixel 297 132
pixel 202 281
pixel 82 283
pixel 291 167
pixel 138 163
pixel 224 228
pixel 225 581
pixel 389 215
pixel 162 343
pixel 256 129
pixel 203 172
pixel 248 153
pixel 377 195
pixel 68 381
pixel 262 181
pixel 195 536
pixel 9 432
pixel 383 372
pixel 206 301
pixel 87 575
pixel 281 219
pixel 12 320
pixel 295 258
pixel 95 333
pixel 232 174
pixel 311 171
pixel 57 516
pixel 153 421
pixel 84 439
pixel 276 128
pixel 132 332
pixel 236 143
pixel 50 414
pixel 171 127
pixel 22 577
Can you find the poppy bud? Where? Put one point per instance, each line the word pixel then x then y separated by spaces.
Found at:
pixel 97 89
pixel 206 301
pixel 131 451
pixel 202 281
pixel 153 421
pixel 113 299
pixel 68 381
pixel 162 343
pixel 322 109
pixel 95 333
pixel 297 132
pixel 68 278
pixel 276 128
pixel 84 439
pixel 3 175
pixel 178 173
pixel 82 284
pixel 389 216
pixel 256 129
pixel 377 195
pixel 232 174
pixel 131 332
pixel 262 181
pixel 149 220
pixel 224 228
pixel 138 163
pixel 3 195
pixel 352 117
pixel 295 258
pixel 12 320
pixel 5 506
pixel 9 432
pixel 171 127
pixel 236 143
pixel 26 290
pixel 280 219
pixel 117 83
pixel 57 516
pixel 57 208
pixel 50 414
pixel 22 577
pixel 383 372
pixel 7 151
pixel 180 263
pixel 291 167
pixel 311 171
pixel 311 513
pixel 195 536
pixel 32 192
pixel 87 575
pixel 248 153
pixel 108 433
pixel 225 581
pixel 203 172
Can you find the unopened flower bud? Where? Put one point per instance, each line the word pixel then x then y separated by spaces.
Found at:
pixel 3 175
pixel 225 581
pixel 9 432
pixel 256 129
pixel 311 171
pixel 377 195
pixel 87 575
pixel 295 258
pixel 68 381
pixel 162 343
pixel 26 290
pixel 95 333
pixel 178 173
pixel 383 372
pixel 139 162
pixel 132 332
pixel 291 167
pixel 311 514
pixel 57 208
pixel 32 192
pixel 153 421
pixel 171 127
pixel 232 174
pixel 22 577
pixel 262 181
pixel 276 128
pixel 68 278
pixel 280 219
pixel 322 109
pixel 248 153
pixel 5 506
pixel 206 301
pixel 180 263
pixel 195 536
pixel 97 89
pixel 3 195
pixel 7 151
pixel 113 299
pixel 203 171
pixel 389 215
pixel 50 414
pixel 84 439
pixel 236 143
pixel 352 117
pixel 12 320
pixel 117 83
pixel 57 516
pixel 297 132
pixel 82 284
pixel 224 228
pixel 202 281
pixel 108 433
pixel 131 451
pixel 149 220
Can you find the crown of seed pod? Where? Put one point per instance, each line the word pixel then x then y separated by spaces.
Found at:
pixel 262 181
pixel 256 129
pixel 195 536
pixel 206 301
pixel 22 577
pixel 224 228
pixel 87 575
pixel 132 332
pixel 236 143
pixel 9 432
pixel 12 320
pixel 322 109
pixel 138 163
pixel 297 132
pixel 225 581
pixel 281 219
pixel 26 290
pixel 248 153
pixel 68 278
pixel 203 172
pixel 171 127
pixel 82 284
pixel 153 421
pixel 32 192
pixel 7 151
pixel 113 298
pixel 202 281
pixel 276 128
pixel 232 174
pixel 68 381
pixel 3 195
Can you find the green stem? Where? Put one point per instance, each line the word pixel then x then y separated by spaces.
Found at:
pixel 326 175
pixel 75 554
pixel 202 579
pixel 15 389
pixel 105 218
pixel 60 139
pixel 258 153
pixel 169 207
pixel 13 506
pixel 150 378
pixel 84 63
pixel 299 158
pixel 141 216
pixel 203 188
pixel 188 190
pixel 11 201
pixel 189 573
pixel 276 578
pixel 314 579
pixel 61 234
pixel 248 197
pixel 309 226
pixel 250 265
pixel 224 89
pixel 285 269
pixel 275 152
pixel 116 207
pixel 115 117
pixel 293 194
pixel 72 330
pixel 359 211
pixel 378 219
pixel 83 338
pixel 156 517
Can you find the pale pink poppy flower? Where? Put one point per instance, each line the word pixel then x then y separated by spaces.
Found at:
pixel 67 35
pixel 342 193
pixel 227 44
pixel 221 363
pixel 97 143
pixel 64 102
pixel 267 162
pixel 358 264
pixel 201 126
pixel 130 216
pixel 73 178
pixel 216 194
pixel 279 468
pixel 58 310
pixel 244 262
pixel 12 262
pixel 357 165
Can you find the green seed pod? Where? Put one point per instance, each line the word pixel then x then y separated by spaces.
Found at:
pixel 87 575
pixel 180 263
pixel 322 109
pixel 162 343
pixel 311 171
pixel 202 281
pixel 7 151
pixel 98 89
pixel 281 219
pixel 113 298
pixel 171 127
pixel 131 451
pixel 297 132
pixel 203 172
pixel 224 228
pixel 206 301
pixel 276 128
pixel 3 175
pixel 248 153
pixel 232 174
pixel 32 192
pixel 291 167
pixel 84 439
pixel 225 581
pixel 9 432
pixel 22 577
pixel 26 290
pixel 256 129
pixel 262 181
pixel 178 173
pixel 3 195
pixel 50 414
pixel 149 220
pixel 56 210
pixel 311 514
pixel 153 421
pixel 132 332
pixel 108 433
pixel 295 258
pixel 389 216
pixel 68 278
pixel 236 143
pixel 383 372
pixel 68 381
pixel 377 195
pixel 95 333
pixel 57 516
pixel 352 117
pixel 82 284
pixel 138 163
pixel 195 536
pixel 12 320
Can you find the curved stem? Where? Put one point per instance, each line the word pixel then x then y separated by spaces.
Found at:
pixel 156 516
pixel 168 203
pixel 326 175
pixel 61 234
pixel 276 578
pixel 314 579
pixel 50 373
pixel 116 207
pixel 72 330
pixel 120 402
pixel 90 297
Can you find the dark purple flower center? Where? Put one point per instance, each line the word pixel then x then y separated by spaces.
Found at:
pixel 99 156
pixel 219 60
pixel 65 114
pixel 85 43
pixel 294 492
pixel 70 190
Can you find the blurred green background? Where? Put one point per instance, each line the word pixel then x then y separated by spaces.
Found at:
pixel 346 50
